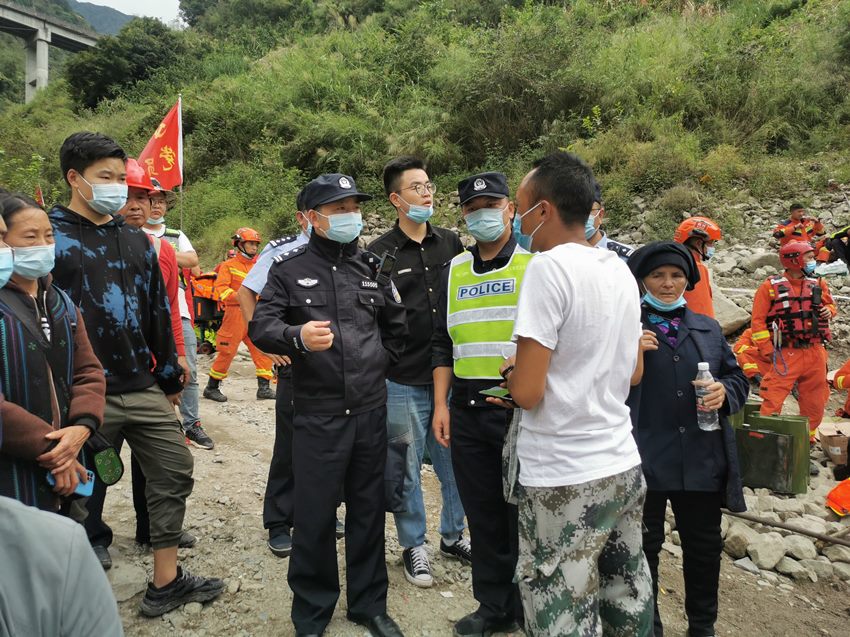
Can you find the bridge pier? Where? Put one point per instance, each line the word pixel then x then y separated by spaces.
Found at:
pixel 36 63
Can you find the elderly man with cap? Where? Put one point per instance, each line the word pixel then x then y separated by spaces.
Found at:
pixel 342 327
pixel 694 469
pixel 472 337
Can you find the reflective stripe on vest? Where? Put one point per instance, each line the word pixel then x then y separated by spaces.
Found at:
pixel 480 314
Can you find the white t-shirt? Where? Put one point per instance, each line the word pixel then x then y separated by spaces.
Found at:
pixel 581 303
pixel 183 245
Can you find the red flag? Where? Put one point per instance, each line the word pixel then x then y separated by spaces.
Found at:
pixel 162 158
pixel 39 196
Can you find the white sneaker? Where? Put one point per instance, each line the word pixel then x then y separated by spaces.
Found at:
pixel 417 568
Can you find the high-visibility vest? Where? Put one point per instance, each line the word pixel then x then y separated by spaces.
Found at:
pixel 481 311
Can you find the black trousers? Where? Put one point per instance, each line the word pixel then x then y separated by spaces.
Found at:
pixel 477 438
pixel 333 452
pixel 279 502
pixel 697 516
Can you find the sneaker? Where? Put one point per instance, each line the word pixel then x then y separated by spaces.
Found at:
pixel 417 568
pixel 280 544
pixel 340 529
pixel 198 437
pixel 103 556
pixel 460 550
pixel 184 589
pixel 474 625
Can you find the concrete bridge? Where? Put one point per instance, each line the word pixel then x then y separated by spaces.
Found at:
pixel 38 32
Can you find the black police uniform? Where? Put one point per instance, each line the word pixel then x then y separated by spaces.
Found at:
pixel 340 434
pixel 478 434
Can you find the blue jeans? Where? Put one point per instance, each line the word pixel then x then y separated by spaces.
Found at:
pixel 189 402
pixel 409 412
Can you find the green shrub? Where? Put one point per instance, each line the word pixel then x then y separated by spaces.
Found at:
pixel 679 199
pixel 722 167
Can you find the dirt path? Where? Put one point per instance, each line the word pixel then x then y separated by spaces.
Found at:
pixel 225 514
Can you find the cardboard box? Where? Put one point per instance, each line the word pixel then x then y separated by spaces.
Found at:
pixel 834 435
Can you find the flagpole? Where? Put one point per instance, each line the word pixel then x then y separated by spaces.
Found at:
pixel 180 155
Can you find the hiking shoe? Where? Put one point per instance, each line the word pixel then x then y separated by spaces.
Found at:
pixel 417 568
pixel 103 556
pixel 264 391
pixel 339 531
pixel 280 544
pixel 475 625
pixel 184 589
pixel 460 550
pixel 214 393
pixel 198 437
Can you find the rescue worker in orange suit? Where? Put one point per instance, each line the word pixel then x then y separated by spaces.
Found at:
pixel 841 381
pixel 798 227
pixel 750 360
pixel 699 234
pixel 234 330
pixel 791 314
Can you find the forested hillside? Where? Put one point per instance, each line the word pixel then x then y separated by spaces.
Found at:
pixel 683 103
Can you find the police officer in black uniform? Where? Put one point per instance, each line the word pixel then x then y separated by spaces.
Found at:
pixel 342 329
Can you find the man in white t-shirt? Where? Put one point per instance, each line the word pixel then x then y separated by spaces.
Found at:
pixel 187 259
pixel 581 568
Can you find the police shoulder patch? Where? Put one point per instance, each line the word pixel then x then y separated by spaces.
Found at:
pixel 396 295
pixel 620 248
pixel 283 240
pixel 290 254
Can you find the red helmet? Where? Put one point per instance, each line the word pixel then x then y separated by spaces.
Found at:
pixel 791 254
pixel 137 177
pixel 245 234
pixel 701 227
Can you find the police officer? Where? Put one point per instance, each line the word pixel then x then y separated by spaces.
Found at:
pixel 342 329
pixel 472 337
pixel 594 233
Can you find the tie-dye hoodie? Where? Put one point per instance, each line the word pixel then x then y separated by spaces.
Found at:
pixel 112 273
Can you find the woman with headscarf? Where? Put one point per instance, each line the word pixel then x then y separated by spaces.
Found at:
pixel 52 382
pixel 695 470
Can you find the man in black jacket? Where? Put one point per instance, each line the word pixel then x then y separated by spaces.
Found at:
pixel 111 272
pixel 343 328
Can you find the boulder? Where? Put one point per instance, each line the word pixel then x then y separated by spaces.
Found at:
pixel 788 505
pixel 794 570
pixel 730 316
pixel 766 550
pixel 813 525
pixel 128 580
pixel 842 571
pixel 800 548
pixel 765 503
pixel 746 564
pixel 738 538
pixel 723 267
pixel 753 262
pixel 822 568
pixel 837 553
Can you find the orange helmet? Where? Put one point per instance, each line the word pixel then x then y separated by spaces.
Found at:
pixel 791 254
pixel 700 227
pixel 245 234
pixel 137 177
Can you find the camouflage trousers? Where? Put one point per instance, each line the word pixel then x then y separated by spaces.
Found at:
pixel 581 568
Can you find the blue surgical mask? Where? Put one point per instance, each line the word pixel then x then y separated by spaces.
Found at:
pixel 7 260
pixel 107 199
pixel 419 214
pixel 486 224
pixel 809 268
pixel 709 252
pixel 590 225
pixel 309 230
pixel 525 240
pixel 345 227
pixel 661 306
pixel 34 262
pixel 155 222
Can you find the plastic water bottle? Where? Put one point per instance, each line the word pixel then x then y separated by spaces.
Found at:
pixel 707 419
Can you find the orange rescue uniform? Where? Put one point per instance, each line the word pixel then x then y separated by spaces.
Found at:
pixel 805 364
pixel 749 358
pixel 842 381
pixel 805 230
pixel 700 299
pixel 233 330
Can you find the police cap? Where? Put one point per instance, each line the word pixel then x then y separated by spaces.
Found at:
pixel 329 188
pixel 490 184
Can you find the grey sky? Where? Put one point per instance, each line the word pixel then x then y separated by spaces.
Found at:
pixel 165 10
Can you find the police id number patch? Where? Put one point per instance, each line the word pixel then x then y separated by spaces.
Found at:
pixel 369 284
pixel 487 288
